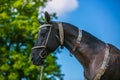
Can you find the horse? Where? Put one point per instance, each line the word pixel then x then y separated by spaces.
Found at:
pixel 100 60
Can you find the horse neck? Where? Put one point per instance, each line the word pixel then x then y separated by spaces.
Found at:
pixel 70 33
pixel 87 48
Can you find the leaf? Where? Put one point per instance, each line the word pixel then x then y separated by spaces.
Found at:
pixel 18 32
pixel 18 3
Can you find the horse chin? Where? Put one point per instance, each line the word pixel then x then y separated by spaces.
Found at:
pixel 38 56
pixel 38 62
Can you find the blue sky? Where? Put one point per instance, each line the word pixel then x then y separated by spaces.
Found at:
pixel 98 17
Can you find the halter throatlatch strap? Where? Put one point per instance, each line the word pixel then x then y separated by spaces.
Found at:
pixel 44 25
pixel 104 64
pixel 61 34
pixel 78 40
pixel 79 36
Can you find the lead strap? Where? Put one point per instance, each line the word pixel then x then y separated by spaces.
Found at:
pixel 41 72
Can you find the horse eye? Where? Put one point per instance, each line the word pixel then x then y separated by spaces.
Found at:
pixel 43 32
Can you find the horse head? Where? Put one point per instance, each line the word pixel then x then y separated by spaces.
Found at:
pixel 47 41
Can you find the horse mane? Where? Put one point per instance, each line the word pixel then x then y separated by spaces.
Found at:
pixel 91 40
pixel 115 52
pixel 113 48
pixel 86 34
pixel 90 36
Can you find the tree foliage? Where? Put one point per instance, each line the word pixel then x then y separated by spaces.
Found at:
pixel 18 27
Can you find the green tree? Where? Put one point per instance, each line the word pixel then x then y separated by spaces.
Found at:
pixel 18 27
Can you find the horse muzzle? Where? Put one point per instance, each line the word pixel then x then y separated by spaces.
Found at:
pixel 38 58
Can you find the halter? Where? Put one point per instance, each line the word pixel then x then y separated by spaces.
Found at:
pixel 61 35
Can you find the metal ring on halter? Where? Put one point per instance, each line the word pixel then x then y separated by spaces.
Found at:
pixel 45 54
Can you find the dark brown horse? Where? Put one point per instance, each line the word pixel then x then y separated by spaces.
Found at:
pixel 100 61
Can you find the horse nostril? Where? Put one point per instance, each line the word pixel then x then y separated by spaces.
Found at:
pixel 32 59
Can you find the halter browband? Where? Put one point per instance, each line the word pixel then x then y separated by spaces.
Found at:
pixel 44 25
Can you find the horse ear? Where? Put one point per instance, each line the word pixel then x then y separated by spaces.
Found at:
pixel 41 22
pixel 47 16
